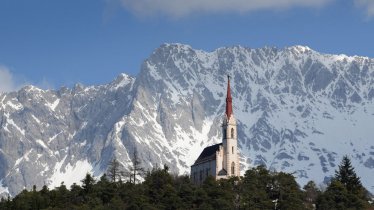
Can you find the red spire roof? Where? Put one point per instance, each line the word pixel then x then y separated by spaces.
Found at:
pixel 228 99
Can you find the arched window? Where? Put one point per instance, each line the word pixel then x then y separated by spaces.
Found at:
pixel 232 133
pixel 232 168
pixel 232 150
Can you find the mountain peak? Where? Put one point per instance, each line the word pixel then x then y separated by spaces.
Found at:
pixel 178 46
pixel 295 113
pixel 121 81
pixel 300 49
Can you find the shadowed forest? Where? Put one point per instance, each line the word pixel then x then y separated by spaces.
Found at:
pixel 259 188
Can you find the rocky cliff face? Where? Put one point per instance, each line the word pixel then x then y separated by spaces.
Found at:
pixel 298 111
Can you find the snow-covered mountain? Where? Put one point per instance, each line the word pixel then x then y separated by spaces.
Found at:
pixel 298 111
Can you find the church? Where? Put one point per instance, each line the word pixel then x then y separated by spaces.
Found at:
pixel 220 161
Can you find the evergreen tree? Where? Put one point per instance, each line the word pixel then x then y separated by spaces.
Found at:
pixel 258 189
pixel 36 199
pixel 338 197
pixel 22 201
pixel 311 193
pixel 160 189
pixel 256 180
pixel 287 192
pixel 345 190
pixel 60 196
pixel 76 197
pixel 45 193
pixel 335 197
pixel 219 196
pixel 116 203
pixel 347 176
pixel 105 190
pixel 87 183
pixel 135 195
pixel 185 190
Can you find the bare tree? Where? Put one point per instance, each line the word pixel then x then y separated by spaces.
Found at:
pixel 136 169
pixel 114 171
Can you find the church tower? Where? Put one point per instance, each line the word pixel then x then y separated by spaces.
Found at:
pixel 229 138
pixel 220 160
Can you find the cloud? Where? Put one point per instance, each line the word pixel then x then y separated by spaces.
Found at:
pixel 182 8
pixel 368 5
pixel 7 82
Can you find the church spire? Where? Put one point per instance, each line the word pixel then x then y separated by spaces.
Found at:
pixel 228 99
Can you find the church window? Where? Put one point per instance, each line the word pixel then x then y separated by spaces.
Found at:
pixel 232 149
pixel 232 133
pixel 232 168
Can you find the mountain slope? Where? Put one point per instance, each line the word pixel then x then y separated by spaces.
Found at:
pixel 298 111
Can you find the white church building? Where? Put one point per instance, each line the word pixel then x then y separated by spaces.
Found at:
pixel 220 160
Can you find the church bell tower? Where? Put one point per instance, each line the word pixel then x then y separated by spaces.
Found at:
pixel 229 138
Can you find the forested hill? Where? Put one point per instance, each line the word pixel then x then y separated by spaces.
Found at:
pixel 257 189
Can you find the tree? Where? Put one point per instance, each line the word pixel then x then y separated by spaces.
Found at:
pixel 136 169
pixel 185 190
pixel 256 180
pixel 5 203
pixel 76 197
pixel 345 190
pixel 160 190
pixel 116 203
pixel 287 192
pixel 311 192
pixel 60 196
pixel 105 189
pixel 337 197
pixel 347 176
pixel 219 193
pixel 114 171
pixel 45 193
pixel 87 183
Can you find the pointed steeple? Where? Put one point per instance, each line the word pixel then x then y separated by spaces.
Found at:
pixel 228 99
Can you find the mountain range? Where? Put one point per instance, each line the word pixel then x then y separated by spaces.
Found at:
pixel 298 111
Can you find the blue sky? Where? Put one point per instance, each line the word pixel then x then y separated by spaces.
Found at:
pixel 60 43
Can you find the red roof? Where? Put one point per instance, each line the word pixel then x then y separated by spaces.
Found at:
pixel 228 100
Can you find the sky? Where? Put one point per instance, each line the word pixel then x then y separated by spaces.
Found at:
pixel 50 43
